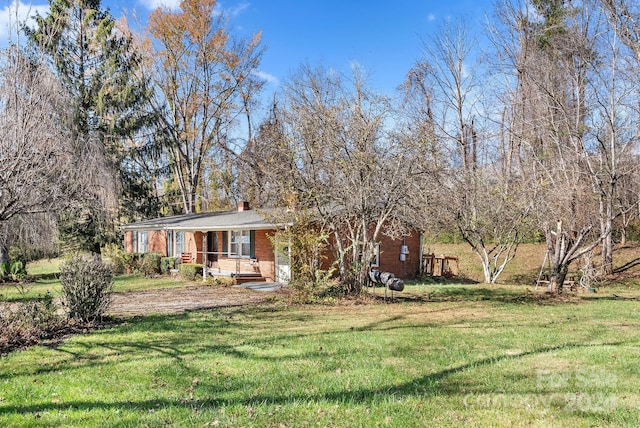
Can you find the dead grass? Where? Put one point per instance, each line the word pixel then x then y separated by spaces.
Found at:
pixel 524 268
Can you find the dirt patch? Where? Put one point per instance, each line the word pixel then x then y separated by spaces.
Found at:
pixel 176 300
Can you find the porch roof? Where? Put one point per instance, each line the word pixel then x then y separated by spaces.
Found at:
pixel 213 221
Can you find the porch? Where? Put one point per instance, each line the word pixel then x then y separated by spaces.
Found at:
pixel 226 265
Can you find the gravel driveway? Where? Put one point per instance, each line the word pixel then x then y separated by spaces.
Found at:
pixel 180 299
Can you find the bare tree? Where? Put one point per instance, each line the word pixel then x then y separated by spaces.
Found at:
pixel 204 80
pixel 625 18
pixel 568 103
pixel 327 148
pixel 266 164
pixel 621 111
pixel 487 205
pixel 628 198
pixel 38 170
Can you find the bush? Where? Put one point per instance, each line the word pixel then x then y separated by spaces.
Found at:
pixel 26 323
pixel 150 264
pixel 14 269
pixel 305 244
pixel 116 256
pixel 87 284
pixel 132 262
pixel 224 281
pixel 190 271
pixel 167 264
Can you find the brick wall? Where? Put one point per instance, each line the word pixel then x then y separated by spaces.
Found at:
pixel 128 241
pixel 158 242
pixel 390 256
pixel 265 255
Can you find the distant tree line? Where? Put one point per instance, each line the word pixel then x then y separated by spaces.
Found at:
pixel 529 127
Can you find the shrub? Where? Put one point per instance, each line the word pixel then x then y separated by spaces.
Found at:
pixel 150 264
pixel 305 244
pixel 224 281
pixel 15 269
pixel 116 256
pixel 4 270
pixel 131 262
pixel 25 323
pixel 87 284
pixel 190 271
pixel 167 263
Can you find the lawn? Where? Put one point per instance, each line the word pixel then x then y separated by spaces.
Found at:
pixel 469 355
pixel 44 275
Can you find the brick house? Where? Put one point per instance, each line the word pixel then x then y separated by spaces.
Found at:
pixel 237 243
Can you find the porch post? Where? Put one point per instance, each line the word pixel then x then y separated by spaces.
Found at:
pixel 204 256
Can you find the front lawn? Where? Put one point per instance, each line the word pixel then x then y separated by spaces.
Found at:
pixel 454 356
pixel 44 278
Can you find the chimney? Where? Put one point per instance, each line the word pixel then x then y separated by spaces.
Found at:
pixel 243 206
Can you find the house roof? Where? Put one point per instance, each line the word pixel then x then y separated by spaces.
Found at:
pixel 213 221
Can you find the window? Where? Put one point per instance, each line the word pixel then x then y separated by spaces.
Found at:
pixel 175 243
pixel 141 242
pixel 241 243
pixel 179 242
pixel 170 243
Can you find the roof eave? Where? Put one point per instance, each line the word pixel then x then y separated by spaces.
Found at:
pixel 205 229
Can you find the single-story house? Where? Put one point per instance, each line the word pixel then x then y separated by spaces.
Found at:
pixel 237 243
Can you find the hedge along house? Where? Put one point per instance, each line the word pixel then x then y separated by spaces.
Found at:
pixel 238 243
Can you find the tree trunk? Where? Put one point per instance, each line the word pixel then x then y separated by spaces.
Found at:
pixel 557 246
pixel 607 254
pixel 557 276
pixel 606 227
pixel 4 249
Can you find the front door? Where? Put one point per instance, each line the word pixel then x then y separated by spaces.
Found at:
pixel 212 249
pixel 283 265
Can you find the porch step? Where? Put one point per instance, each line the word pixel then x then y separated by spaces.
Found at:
pixel 241 278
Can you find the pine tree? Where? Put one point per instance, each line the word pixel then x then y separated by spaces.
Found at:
pixel 95 59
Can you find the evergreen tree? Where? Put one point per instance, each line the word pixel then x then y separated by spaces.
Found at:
pixel 95 59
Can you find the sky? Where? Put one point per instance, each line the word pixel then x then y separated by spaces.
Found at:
pixel 384 38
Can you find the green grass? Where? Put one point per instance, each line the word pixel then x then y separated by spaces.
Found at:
pixel 44 276
pixel 438 355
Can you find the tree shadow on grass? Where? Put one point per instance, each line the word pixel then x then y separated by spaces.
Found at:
pixel 442 280
pixel 476 294
pixel 627 266
pixel 209 394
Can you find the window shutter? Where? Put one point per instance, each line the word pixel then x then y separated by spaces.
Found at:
pixel 252 244
pixel 225 243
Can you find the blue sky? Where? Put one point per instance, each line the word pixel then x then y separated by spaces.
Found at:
pixel 383 37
